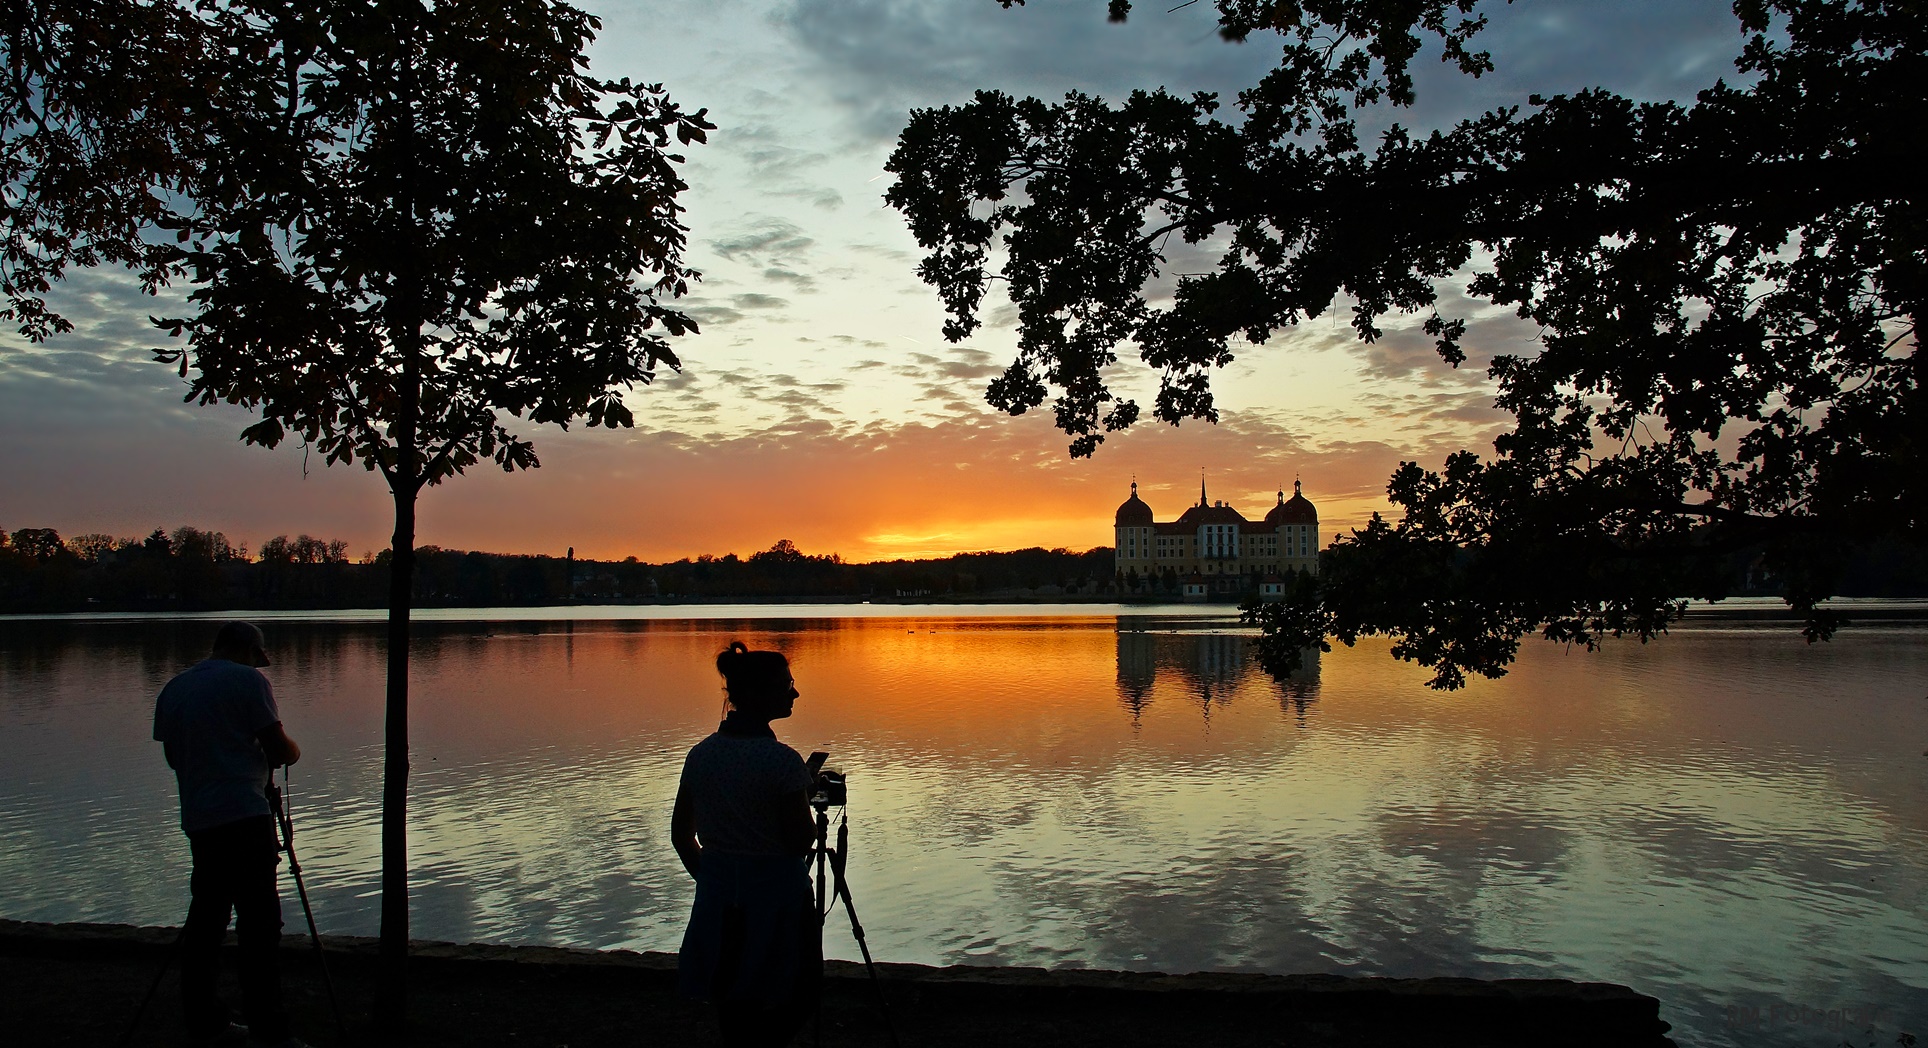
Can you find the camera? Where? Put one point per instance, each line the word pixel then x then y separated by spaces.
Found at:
pixel 831 790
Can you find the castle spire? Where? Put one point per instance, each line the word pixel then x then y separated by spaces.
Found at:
pixel 1201 489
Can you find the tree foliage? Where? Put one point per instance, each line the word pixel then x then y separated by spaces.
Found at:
pixel 434 203
pixel 1726 293
pixel 348 184
pixel 103 108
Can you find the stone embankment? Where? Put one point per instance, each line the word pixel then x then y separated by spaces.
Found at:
pixel 82 984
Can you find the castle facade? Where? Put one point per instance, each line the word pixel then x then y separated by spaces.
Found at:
pixel 1213 549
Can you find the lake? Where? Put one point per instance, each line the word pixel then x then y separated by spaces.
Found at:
pixel 1729 819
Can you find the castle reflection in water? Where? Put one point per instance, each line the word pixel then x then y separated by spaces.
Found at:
pixel 1210 669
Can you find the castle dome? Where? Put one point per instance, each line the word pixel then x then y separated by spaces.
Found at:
pixel 1296 510
pixel 1134 513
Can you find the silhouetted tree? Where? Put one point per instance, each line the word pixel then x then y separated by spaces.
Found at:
pixel 157 544
pixel 199 562
pixel 401 222
pixel 39 544
pixel 37 565
pixel 96 546
pixel 1726 291
pixel 783 552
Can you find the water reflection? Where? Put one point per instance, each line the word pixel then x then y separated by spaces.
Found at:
pixel 1208 667
pixel 1725 819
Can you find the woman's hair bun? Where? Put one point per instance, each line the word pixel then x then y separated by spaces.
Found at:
pixel 731 657
pixel 755 670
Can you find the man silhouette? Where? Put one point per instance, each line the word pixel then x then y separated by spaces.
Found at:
pixel 221 732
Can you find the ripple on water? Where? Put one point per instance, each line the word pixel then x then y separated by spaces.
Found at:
pixel 1723 820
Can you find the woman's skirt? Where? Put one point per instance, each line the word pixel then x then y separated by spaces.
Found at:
pixel 754 938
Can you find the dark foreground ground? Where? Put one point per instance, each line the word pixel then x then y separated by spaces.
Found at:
pixel 82 984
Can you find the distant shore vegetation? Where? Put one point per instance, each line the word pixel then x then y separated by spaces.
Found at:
pixel 191 569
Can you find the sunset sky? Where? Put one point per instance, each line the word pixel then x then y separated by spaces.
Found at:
pixel 821 403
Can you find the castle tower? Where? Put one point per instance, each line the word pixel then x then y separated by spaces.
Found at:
pixel 1295 522
pixel 1132 537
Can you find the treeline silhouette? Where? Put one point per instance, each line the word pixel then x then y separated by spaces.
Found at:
pixel 191 569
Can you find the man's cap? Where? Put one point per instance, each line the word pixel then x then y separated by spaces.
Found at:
pixel 238 637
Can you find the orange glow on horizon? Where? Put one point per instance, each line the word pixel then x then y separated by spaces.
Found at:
pixel 865 492
pixel 992 483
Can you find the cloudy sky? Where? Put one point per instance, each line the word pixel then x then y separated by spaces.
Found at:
pixel 821 403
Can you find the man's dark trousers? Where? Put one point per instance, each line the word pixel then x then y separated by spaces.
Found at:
pixel 234 871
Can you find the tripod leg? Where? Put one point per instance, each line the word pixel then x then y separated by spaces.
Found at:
pixel 837 858
pixel 314 936
pixel 822 910
pixel 301 888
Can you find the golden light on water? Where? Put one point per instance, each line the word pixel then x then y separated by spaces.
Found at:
pixel 1727 817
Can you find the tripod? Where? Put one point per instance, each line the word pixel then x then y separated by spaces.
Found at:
pixel 822 856
pixel 277 799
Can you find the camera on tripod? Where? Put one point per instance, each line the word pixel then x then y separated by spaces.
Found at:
pixel 831 790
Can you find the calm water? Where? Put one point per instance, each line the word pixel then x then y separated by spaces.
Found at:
pixel 1729 820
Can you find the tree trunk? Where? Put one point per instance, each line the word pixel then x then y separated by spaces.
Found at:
pixel 391 1005
pixel 392 998
pixel 405 333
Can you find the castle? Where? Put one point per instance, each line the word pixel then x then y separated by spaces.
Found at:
pixel 1211 549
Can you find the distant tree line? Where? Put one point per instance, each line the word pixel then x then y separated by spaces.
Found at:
pixel 187 568
pixel 190 569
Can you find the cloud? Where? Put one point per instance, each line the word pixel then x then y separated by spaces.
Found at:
pixel 769 159
pixel 116 454
pixel 708 315
pixel 866 343
pixel 765 150
pixel 801 281
pixel 821 197
pixel 1408 356
pixel 1648 49
pixel 880 58
pixel 896 255
pixel 767 240
pixel 963 365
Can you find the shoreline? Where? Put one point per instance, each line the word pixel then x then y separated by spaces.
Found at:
pixel 81 983
pixel 1856 610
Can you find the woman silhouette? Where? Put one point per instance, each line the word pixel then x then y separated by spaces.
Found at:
pixel 743 828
